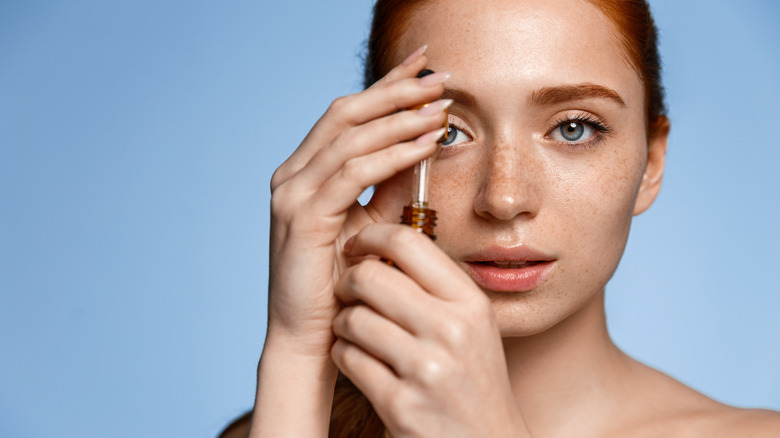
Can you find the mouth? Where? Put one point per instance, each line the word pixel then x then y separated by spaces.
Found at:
pixel 509 269
pixel 509 276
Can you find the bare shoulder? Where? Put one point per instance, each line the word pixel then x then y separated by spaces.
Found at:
pixel 714 421
pixel 757 423
pixel 672 409
pixel 727 421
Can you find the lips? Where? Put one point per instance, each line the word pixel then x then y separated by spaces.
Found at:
pixel 509 269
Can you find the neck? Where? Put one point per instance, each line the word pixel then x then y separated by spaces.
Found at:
pixel 568 378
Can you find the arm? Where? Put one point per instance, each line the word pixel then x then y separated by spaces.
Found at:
pixel 294 395
pixel 360 141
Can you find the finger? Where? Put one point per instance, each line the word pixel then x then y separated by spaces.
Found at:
pixel 375 334
pixel 387 291
pixel 369 375
pixel 373 136
pixel 342 189
pixel 416 255
pixel 352 110
pixel 379 101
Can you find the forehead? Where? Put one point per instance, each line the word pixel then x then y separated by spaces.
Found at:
pixel 528 42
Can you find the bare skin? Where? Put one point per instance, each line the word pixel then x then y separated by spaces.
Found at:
pixel 439 349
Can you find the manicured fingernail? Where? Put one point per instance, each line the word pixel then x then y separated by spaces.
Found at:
pixel 435 78
pixel 349 244
pixel 429 138
pixel 416 54
pixel 434 107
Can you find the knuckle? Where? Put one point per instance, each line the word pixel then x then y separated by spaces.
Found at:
pixel 343 108
pixel 399 403
pixel 342 354
pixel 402 237
pixel 405 409
pixel 455 333
pixel 353 317
pixel 277 178
pixel 429 371
pixel 352 169
pixel 339 104
pixel 363 273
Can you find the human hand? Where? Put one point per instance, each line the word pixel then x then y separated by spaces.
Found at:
pixel 421 342
pixel 360 141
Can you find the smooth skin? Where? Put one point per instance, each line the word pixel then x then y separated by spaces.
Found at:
pixel 437 353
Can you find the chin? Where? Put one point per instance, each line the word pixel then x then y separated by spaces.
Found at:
pixel 531 313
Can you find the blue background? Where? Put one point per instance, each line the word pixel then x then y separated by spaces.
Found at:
pixel 137 139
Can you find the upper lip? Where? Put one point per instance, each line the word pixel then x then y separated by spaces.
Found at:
pixel 516 253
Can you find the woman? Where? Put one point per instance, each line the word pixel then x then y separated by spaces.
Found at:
pixel 558 138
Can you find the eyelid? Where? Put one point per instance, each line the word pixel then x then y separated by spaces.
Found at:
pixel 460 124
pixel 455 120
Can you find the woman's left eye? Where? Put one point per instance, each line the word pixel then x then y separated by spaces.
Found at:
pixel 573 132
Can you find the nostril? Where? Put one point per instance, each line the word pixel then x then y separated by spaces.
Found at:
pixel 506 203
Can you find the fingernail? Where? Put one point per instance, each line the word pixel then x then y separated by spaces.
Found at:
pixel 435 78
pixel 434 107
pixel 349 244
pixel 429 138
pixel 416 54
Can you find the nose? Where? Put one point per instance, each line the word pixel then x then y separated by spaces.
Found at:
pixel 510 182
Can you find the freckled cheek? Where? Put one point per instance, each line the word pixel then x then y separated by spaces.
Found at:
pixel 600 205
pixel 451 189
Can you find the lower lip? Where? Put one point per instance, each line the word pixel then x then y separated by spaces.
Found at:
pixel 508 280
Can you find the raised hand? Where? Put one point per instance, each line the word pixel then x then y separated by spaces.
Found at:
pixel 362 140
pixel 422 342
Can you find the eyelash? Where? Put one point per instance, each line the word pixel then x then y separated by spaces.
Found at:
pixel 601 128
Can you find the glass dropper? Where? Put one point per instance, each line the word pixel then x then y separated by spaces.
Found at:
pixel 417 214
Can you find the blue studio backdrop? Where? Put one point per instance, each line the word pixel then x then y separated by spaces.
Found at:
pixel 137 140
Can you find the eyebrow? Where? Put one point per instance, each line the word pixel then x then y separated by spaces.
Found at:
pixel 564 93
pixel 460 96
pixel 546 95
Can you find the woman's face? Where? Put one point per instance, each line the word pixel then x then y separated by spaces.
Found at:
pixel 536 192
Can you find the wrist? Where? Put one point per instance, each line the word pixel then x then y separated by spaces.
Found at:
pixel 311 345
pixel 294 393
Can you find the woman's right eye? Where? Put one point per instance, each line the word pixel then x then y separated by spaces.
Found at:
pixel 454 136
